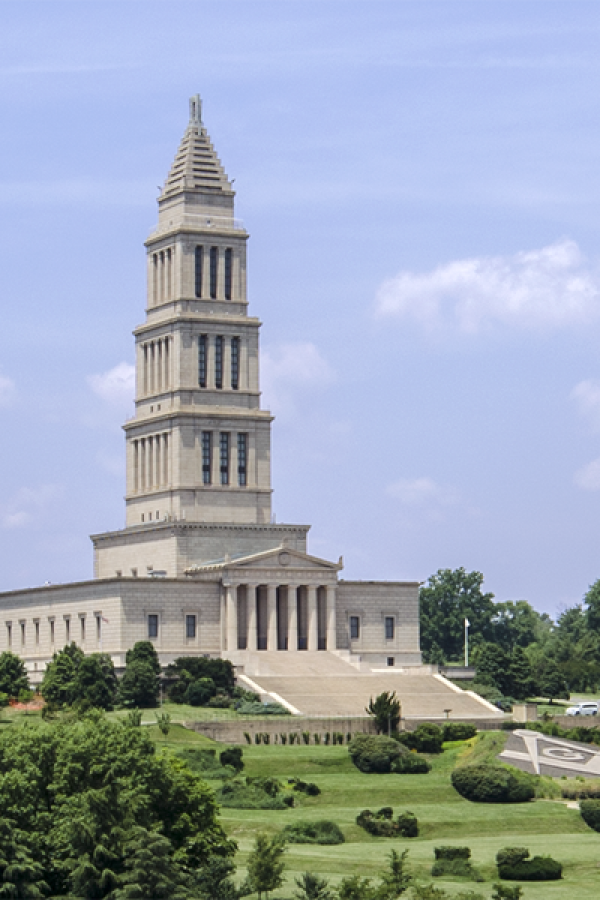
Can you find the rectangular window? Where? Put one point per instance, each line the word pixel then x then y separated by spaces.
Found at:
pixel 37 633
pixel 67 631
pixel 214 259
pixel 51 631
pixel 82 621
pixel 98 628
pixel 389 628
pixel 228 272
pixel 354 628
pixel 206 457
pixel 235 363
pixel 224 456
pixel 153 625
pixel 199 260
pixel 9 633
pixel 242 447
pixel 202 360
pixel 219 362
pixel 390 660
pixel 22 634
pixel 190 626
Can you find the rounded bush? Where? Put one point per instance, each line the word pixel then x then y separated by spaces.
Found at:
pixel 493 784
pixel 458 731
pixel 382 824
pixel 540 868
pixel 590 813
pixel 199 692
pixel 375 753
pixel 411 764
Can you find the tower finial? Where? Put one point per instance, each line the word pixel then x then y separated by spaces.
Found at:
pixel 196 111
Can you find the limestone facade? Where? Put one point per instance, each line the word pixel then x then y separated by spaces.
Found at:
pixel 200 568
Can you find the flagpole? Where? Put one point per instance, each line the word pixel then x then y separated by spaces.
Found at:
pixel 467 623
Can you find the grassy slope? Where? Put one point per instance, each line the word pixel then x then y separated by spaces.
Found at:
pixel 545 827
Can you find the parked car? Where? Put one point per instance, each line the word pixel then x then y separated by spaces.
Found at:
pixel 588 708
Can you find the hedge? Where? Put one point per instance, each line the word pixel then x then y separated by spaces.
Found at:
pixel 321 832
pixel 493 784
pixel 382 824
pixel 513 865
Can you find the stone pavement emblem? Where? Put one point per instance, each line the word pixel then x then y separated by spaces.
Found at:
pixel 541 754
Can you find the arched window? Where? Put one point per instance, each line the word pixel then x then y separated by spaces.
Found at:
pixel 198 265
pixel 228 273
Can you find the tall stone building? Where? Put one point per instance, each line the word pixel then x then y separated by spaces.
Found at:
pixel 200 567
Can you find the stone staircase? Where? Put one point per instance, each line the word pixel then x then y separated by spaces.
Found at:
pixel 325 684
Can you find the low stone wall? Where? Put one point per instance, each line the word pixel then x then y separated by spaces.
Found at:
pixel 233 731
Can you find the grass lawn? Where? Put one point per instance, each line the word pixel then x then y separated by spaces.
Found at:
pixel 545 827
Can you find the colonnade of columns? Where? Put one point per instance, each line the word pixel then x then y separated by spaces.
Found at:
pixel 279 617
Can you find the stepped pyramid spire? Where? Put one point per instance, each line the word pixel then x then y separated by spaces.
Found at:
pixel 196 166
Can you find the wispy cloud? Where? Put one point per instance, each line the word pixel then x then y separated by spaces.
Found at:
pixel 7 391
pixel 28 504
pixel 116 386
pixel 537 290
pixel 289 370
pixel 588 477
pixel 586 395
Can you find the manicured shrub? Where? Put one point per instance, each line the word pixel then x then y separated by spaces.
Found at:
pixel 493 784
pixel 451 853
pixel 306 737
pixel 261 709
pixel 427 738
pixel 375 753
pixel 254 793
pixel 590 813
pixel 320 832
pixel 411 764
pixel 232 756
pixel 513 865
pixel 283 738
pixel 454 861
pixel 305 787
pixel 458 731
pixel 382 823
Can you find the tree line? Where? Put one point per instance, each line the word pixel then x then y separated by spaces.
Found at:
pixel 518 652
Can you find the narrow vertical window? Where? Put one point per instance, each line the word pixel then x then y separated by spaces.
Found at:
pixel 354 628
pixel 228 272
pixel 99 629
pixel 51 631
pixel 389 628
pixel 22 634
pixel 202 342
pixel 235 363
pixel 242 448
pixel 37 633
pixel 224 456
pixel 82 620
pixel 198 266
pixel 153 625
pixel 67 630
pixel 9 633
pixel 219 361
pixel 206 457
pixel 214 259
pixel 190 626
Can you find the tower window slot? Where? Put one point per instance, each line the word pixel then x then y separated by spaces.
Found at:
pixel 219 361
pixel 206 457
pixel 202 342
pixel 235 363
pixel 242 446
pixel 198 266
pixel 224 456
pixel 228 273
pixel 214 258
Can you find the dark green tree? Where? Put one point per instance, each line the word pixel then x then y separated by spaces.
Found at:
pixel 13 674
pixel 520 681
pixel 21 877
pixel 150 870
pixel 553 684
pixel 95 681
pixel 448 598
pixel 139 686
pixel 386 710
pixel 144 651
pixel 213 880
pixel 311 887
pixel 58 684
pixel 592 602
pixel 518 624
pixel 492 667
pixel 265 864
pixel 396 879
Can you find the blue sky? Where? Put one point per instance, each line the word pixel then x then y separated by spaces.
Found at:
pixel 420 182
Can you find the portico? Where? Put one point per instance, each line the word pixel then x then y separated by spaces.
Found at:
pixel 276 600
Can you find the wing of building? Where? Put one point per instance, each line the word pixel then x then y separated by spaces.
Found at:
pixel 200 567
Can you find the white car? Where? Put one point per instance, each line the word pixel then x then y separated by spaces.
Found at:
pixel 588 708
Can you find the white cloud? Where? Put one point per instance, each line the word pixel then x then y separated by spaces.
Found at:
pixel 289 370
pixel 28 504
pixel 588 477
pixel 117 386
pixel 536 290
pixel 422 492
pixel 7 391
pixel 586 395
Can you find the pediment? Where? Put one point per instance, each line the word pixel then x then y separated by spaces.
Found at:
pixel 280 558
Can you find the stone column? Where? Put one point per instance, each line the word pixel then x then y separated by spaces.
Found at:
pixel 331 618
pixel 271 617
pixel 292 611
pixel 232 635
pixel 311 596
pixel 251 642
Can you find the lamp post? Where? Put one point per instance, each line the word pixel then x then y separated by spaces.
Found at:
pixel 467 623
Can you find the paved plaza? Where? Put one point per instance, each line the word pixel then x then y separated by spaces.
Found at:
pixel 541 754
